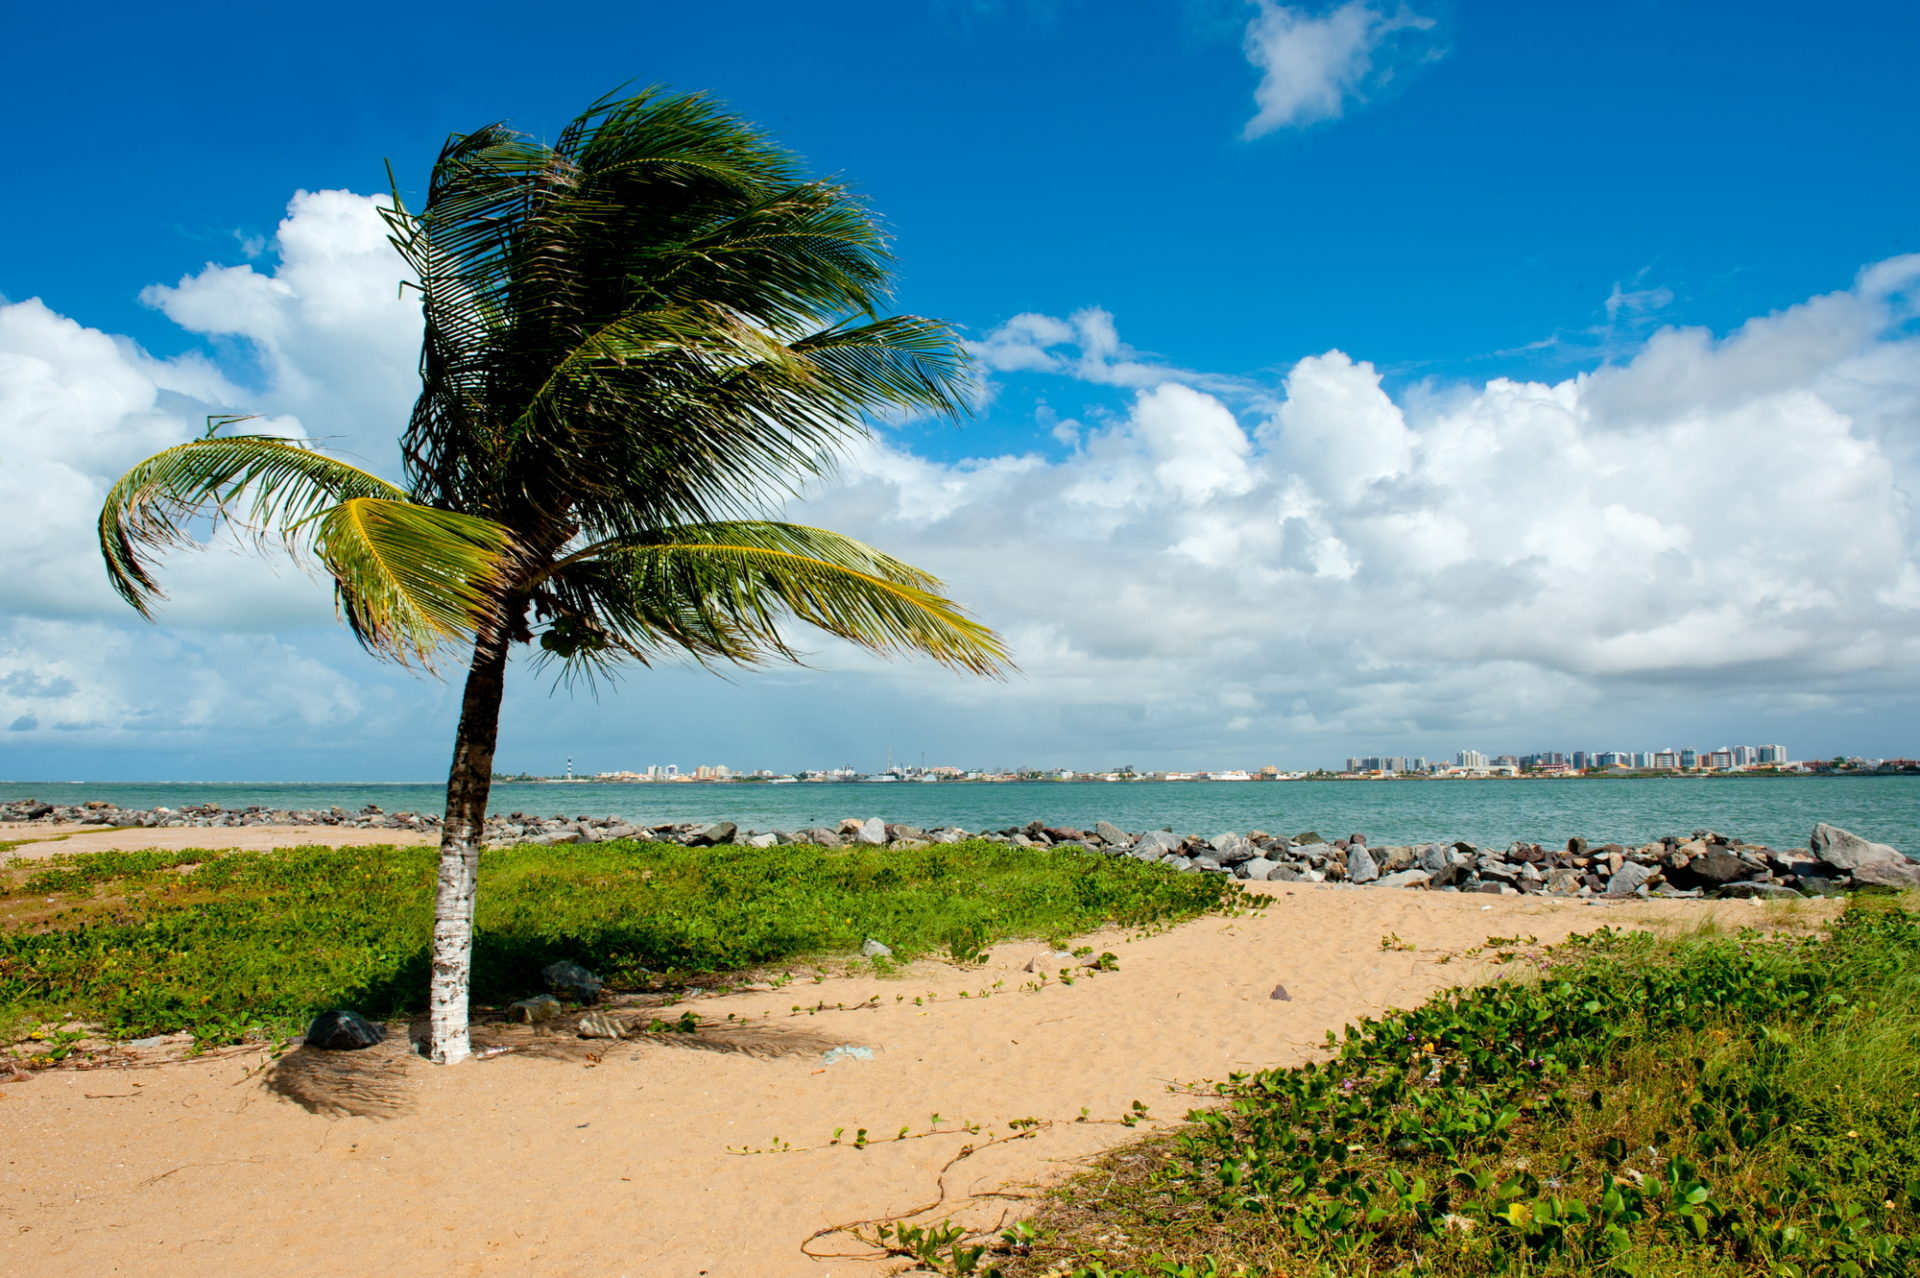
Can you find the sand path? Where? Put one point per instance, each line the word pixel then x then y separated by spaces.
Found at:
pixel 564 1164
pixel 51 839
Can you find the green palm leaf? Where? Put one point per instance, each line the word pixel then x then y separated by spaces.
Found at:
pixel 412 579
pixel 409 578
pixel 260 484
pixel 724 590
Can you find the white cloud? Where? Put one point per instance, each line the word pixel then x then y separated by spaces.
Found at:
pixel 1312 66
pixel 1718 519
pixel 1714 521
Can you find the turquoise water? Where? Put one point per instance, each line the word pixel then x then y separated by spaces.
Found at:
pixel 1776 811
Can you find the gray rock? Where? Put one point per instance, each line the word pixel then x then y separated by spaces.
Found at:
pixel 1173 860
pixel 1286 872
pixel 874 949
pixel 1716 867
pixel 1280 994
pixel 1153 845
pixel 343 1031
pixel 532 1011
pixel 1361 867
pixel 870 833
pixel 1112 834
pixel 1405 879
pixel 1628 879
pixel 1757 892
pixel 1563 882
pixel 1255 869
pixel 760 841
pixel 571 982
pixel 1493 887
pixel 822 837
pixel 1300 840
pixel 713 835
pixel 1894 874
pixel 1846 850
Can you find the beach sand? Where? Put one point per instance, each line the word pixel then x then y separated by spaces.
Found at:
pixel 575 1157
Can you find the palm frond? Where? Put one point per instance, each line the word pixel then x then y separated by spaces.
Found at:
pixel 411 578
pixel 722 591
pixel 262 485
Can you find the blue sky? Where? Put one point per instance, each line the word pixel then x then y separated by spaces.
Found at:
pixel 1160 223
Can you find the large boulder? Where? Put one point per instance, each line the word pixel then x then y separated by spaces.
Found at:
pixel 1628 879
pixel 1361 867
pixel 871 833
pixel 1255 869
pixel 1757 892
pixel 1405 879
pixel 1231 849
pixel 1895 874
pixel 1111 834
pixel 713 836
pixel 1846 850
pixel 1153 845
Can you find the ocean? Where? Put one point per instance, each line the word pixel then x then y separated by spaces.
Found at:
pixel 1778 811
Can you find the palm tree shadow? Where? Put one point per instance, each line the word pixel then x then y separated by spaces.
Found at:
pixel 371 1083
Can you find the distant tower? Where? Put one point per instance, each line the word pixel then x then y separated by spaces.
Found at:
pixel 569 767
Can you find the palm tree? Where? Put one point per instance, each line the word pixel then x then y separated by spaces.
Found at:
pixel 635 339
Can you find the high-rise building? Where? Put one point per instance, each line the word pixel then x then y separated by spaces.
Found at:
pixel 1689 758
pixel 1665 759
pixel 1471 759
pixel 1773 754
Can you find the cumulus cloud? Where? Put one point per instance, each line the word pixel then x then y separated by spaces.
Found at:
pixel 329 344
pixel 1313 65
pixel 1293 571
pixel 1723 518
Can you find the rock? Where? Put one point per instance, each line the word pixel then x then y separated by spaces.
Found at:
pixel 1352 839
pixel 1405 879
pixel 760 841
pixel 1255 869
pixel 1492 887
pixel 1231 849
pixel 1174 861
pixel 871 833
pixel 1111 834
pixel 1360 864
pixel 824 838
pixel 1394 859
pixel 1628 879
pixel 1563 882
pixel 1894 874
pixel 1308 837
pixel 1153 845
pixel 1286 872
pixel 1049 961
pixel 1205 862
pixel 1848 851
pixel 871 948
pixel 1757 892
pixel 1280 994
pixel 1716 867
pixel 571 982
pixel 600 1025
pixel 714 835
pixel 532 1011
pixel 343 1031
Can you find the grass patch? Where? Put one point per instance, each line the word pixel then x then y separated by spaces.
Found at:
pixel 233 944
pixel 1692 1106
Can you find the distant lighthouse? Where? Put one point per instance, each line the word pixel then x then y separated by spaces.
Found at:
pixel 569 767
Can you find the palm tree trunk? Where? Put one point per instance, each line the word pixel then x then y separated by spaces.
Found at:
pixel 468 783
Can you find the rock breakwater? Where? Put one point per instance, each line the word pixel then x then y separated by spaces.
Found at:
pixel 1703 863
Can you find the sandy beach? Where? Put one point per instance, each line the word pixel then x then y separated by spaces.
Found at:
pixel 563 1156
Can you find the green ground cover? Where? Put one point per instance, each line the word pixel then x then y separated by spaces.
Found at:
pixel 237 944
pixel 1713 1105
